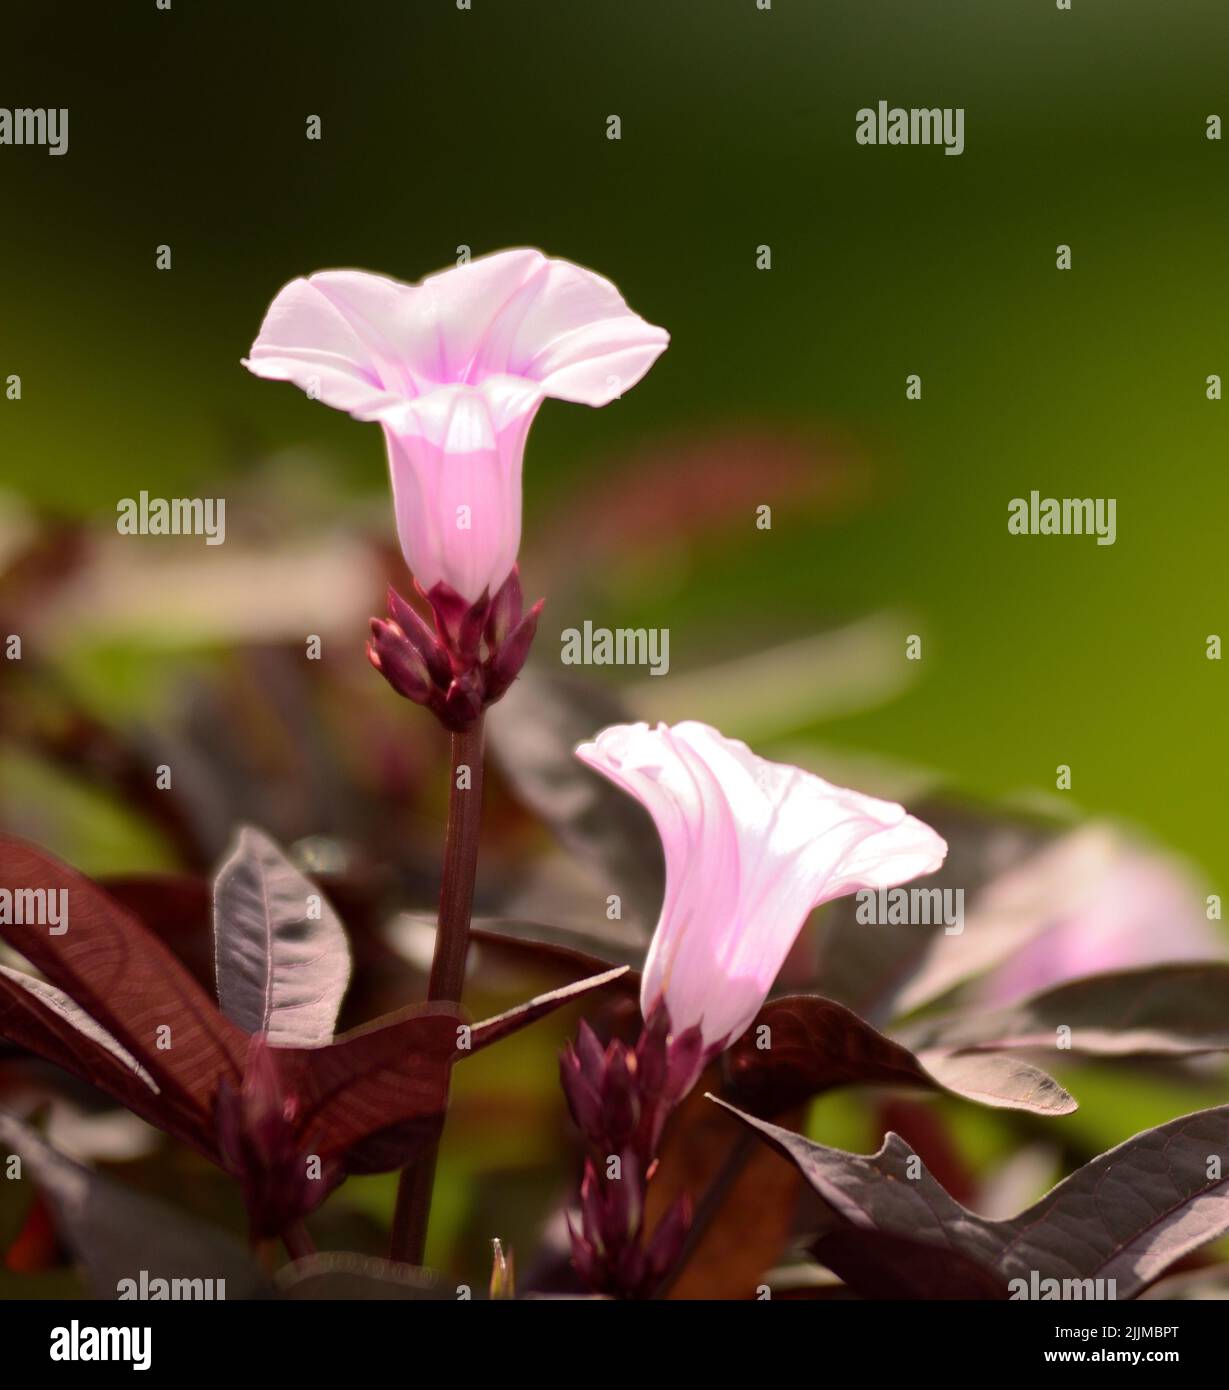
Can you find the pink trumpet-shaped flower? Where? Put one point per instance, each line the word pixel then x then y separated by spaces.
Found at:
pixel 454 369
pixel 751 847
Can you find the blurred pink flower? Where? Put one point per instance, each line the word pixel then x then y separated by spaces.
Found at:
pixel 751 847
pixel 454 369
pixel 1114 906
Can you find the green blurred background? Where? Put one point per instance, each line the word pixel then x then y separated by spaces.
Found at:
pixel 488 128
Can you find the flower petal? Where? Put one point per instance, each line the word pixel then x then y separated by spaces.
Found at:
pixel 336 335
pixel 751 847
pixel 455 459
pixel 361 342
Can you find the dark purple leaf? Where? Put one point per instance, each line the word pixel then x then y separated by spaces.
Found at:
pixel 392 1072
pixel 65 1032
pixel 883 1265
pixel 130 984
pixel 493 1030
pixel 177 909
pixel 1126 1216
pixel 812 1045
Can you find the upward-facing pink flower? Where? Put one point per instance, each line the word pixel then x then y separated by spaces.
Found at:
pixel 751 847
pixel 454 369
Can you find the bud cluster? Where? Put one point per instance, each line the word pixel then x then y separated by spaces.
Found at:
pixel 470 658
pixel 620 1098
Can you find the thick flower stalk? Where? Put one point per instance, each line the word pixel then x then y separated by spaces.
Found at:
pixel 454 370
pixel 751 847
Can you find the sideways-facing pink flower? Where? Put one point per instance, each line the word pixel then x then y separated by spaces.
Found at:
pixel 454 369
pixel 751 847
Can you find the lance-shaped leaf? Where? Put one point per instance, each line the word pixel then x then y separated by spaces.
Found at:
pixel 117 1233
pixel 1159 1011
pixel 391 1142
pixel 44 1019
pixel 801 1045
pixel 283 961
pixel 1126 1216
pixel 493 1030
pixel 131 985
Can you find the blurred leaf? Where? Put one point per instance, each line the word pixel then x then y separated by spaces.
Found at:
pixel 1127 1216
pixel 347 1277
pixel 998 1080
pixel 1158 1011
pixel 532 732
pixel 1197 1285
pixel 282 971
pixel 381 1090
pixel 793 685
pixel 118 1233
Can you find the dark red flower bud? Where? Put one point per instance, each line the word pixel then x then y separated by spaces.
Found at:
pixel 505 612
pixel 668 1238
pixel 425 642
pixel 470 659
pixel 583 1098
pixel 620 1095
pixel 510 657
pixel 398 661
